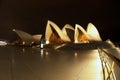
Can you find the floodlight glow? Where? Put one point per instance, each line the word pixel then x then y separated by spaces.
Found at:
pixel 47 42
pixel 13 29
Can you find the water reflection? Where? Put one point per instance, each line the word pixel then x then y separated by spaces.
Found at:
pixel 26 63
pixel 41 52
pixel 75 55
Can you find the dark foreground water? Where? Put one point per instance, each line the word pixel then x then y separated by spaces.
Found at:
pixel 26 63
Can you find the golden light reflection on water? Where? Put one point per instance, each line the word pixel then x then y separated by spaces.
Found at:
pixel 23 50
pixel 41 52
pixel 49 64
pixel 46 53
pixel 75 55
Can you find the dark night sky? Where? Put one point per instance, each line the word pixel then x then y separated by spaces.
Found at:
pixel 32 15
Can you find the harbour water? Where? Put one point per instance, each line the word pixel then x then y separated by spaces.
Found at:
pixel 27 63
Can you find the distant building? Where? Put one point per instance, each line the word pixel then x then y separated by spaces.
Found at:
pixel 3 43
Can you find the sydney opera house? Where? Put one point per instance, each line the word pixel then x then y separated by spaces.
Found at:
pixel 58 37
pixel 63 53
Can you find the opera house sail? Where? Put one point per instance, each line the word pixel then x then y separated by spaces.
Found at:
pixel 69 34
pixel 80 34
pixel 54 33
pixel 28 39
pixel 92 33
pixel 69 31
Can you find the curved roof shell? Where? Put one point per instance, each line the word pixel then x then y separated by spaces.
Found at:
pixel 92 33
pixel 49 31
pixel 27 38
pixel 69 31
pixel 37 37
pixel 80 34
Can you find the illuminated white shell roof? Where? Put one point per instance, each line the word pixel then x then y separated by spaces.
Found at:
pixel 49 32
pixel 37 37
pixel 67 26
pixel 79 32
pixel 92 33
pixel 26 37
pixel 69 31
